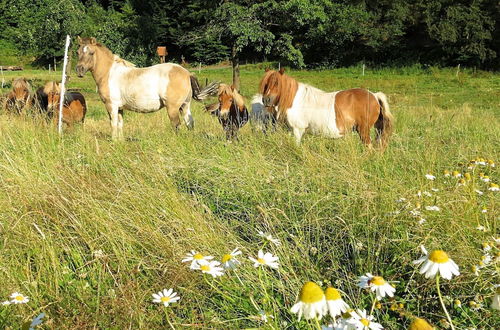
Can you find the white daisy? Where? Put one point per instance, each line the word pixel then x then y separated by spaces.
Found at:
pixel 435 189
pixel 360 320
pixel 18 298
pixel 195 257
pixel 430 177
pixel 165 297
pixel 494 187
pixel 484 210
pixel 265 259
pixel 456 174
pixel 334 302
pixel 270 238
pixel 479 192
pixel 421 221
pixel 433 208
pixel 485 178
pixel 437 261
pixel 401 200
pixel 426 193
pixel 36 321
pixel 376 284
pixel 446 173
pixel 210 267
pixel 491 163
pixel 481 228
pixel 312 302
pixel 229 261
pixel 6 302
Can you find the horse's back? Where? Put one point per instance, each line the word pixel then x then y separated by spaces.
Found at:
pixel 75 107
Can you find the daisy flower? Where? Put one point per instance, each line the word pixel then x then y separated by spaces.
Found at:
pixel 467 176
pixel 312 302
pixel 475 270
pixel 437 261
pixel 334 302
pixel 461 182
pixel 429 176
pixel 359 320
pixel 270 238
pixel 401 200
pixel 433 208
pixel 229 261
pixel 18 298
pixel 210 267
pixel 265 259
pixel 495 303
pixel 6 302
pixel 421 221
pixel 165 297
pixel 420 324
pixel 491 163
pixel 479 192
pixel 36 321
pixel 456 174
pixel 435 189
pixel 457 303
pixel 446 174
pixel 481 228
pixel 485 178
pixel 494 187
pixel 376 284
pixel 195 258
pixel 263 316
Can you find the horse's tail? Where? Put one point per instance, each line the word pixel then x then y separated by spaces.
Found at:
pixel 385 121
pixel 202 93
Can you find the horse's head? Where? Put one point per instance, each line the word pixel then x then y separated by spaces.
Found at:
pixel 226 99
pixel 21 91
pixel 270 88
pixel 86 55
pixel 52 89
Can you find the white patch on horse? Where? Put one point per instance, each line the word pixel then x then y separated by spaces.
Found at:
pixel 85 49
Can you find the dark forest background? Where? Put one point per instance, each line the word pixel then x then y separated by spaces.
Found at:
pixel 299 33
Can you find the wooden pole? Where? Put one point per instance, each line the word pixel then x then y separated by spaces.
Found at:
pixel 63 85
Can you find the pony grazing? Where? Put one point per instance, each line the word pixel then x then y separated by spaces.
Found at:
pixel 74 106
pixel 123 86
pixel 230 110
pixel 20 97
pixel 332 114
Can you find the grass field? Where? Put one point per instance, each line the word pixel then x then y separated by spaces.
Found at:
pixel 90 229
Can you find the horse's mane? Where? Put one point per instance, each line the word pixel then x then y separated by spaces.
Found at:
pixel 120 60
pixel 51 86
pixel 238 99
pixel 116 58
pixel 287 88
pixel 21 83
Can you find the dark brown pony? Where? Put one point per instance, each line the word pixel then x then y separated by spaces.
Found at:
pixel 332 114
pixel 19 98
pixel 74 106
pixel 230 110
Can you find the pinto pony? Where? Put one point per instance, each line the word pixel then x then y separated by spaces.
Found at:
pixel 74 106
pixel 20 97
pixel 122 86
pixel 332 114
pixel 230 110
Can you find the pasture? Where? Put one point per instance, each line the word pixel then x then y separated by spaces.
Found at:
pixel 90 228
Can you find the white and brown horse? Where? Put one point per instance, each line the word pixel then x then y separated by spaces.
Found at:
pixel 331 114
pixel 20 97
pixel 123 86
pixel 231 110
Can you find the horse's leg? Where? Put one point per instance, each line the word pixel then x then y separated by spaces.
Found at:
pixel 364 134
pixel 298 132
pixel 120 124
pixel 113 118
pixel 173 113
pixel 188 118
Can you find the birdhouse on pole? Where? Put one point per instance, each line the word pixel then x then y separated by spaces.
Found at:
pixel 162 53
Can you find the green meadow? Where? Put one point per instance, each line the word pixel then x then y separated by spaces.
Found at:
pixel 90 228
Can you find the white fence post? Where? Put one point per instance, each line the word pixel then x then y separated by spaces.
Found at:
pixel 63 85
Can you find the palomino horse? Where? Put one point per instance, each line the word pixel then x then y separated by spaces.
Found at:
pixel 122 86
pixel 230 110
pixel 332 114
pixel 74 106
pixel 19 98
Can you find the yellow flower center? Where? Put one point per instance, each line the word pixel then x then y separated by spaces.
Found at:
pixel 205 268
pixel 19 298
pixel 365 322
pixel 226 257
pixel 311 293
pixel 377 280
pixel 332 294
pixel 439 256
pixel 456 173
pixel 467 176
pixel 165 299
pixel 197 256
pixel 261 261
pixel 420 324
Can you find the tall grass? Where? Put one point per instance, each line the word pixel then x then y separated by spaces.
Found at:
pixel 89 229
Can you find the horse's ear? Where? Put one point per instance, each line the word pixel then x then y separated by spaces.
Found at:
pixel 93 41
pixel 266 69
pixel 282 70
pixel 232 88
pixel 79 40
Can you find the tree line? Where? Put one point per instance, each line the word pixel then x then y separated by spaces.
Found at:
pixel 299 33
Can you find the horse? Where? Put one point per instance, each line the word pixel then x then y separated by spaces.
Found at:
pixel 260 117
pixel 231 110
pixel 122 86
pixel 74 105
pixel 334 114
pixel 20 97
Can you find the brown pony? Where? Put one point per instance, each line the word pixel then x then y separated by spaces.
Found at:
pixel 74 106
pixel 19 98
pixel 230 110
pixel 332 114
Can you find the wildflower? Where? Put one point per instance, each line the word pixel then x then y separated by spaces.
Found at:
pixel 419 194
pixel 420 324
pixel 437 261
pixel 495 303
pixel 484 210
pixel 481 161
pixel 361 321
pixel 485 178
pixel 376 284
pixel 334 302
pixel 165 297
pixel 486 247
pixel 467 176
pixel 18 298
pixel 430 177
pixel 263 316
pixel 421 221
pixel 457 303
pixel 481 228
pixel 312 302
pixel 491 163
pixel 268 237
pixel 456 174
pixel 36 321
pixel 435 189
pixel 229 260
pixel 474 305
pixel 210 267
pixel 475 270
pixel 446 173
pixel 479 192
pixel 6 302
pixel 401 200
pixel 494 187
pixel 266 259
pixel 433 208
pixel 486 259
pixel 98 254
pixel 196 258
pixel 461 182
pixel 426 193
